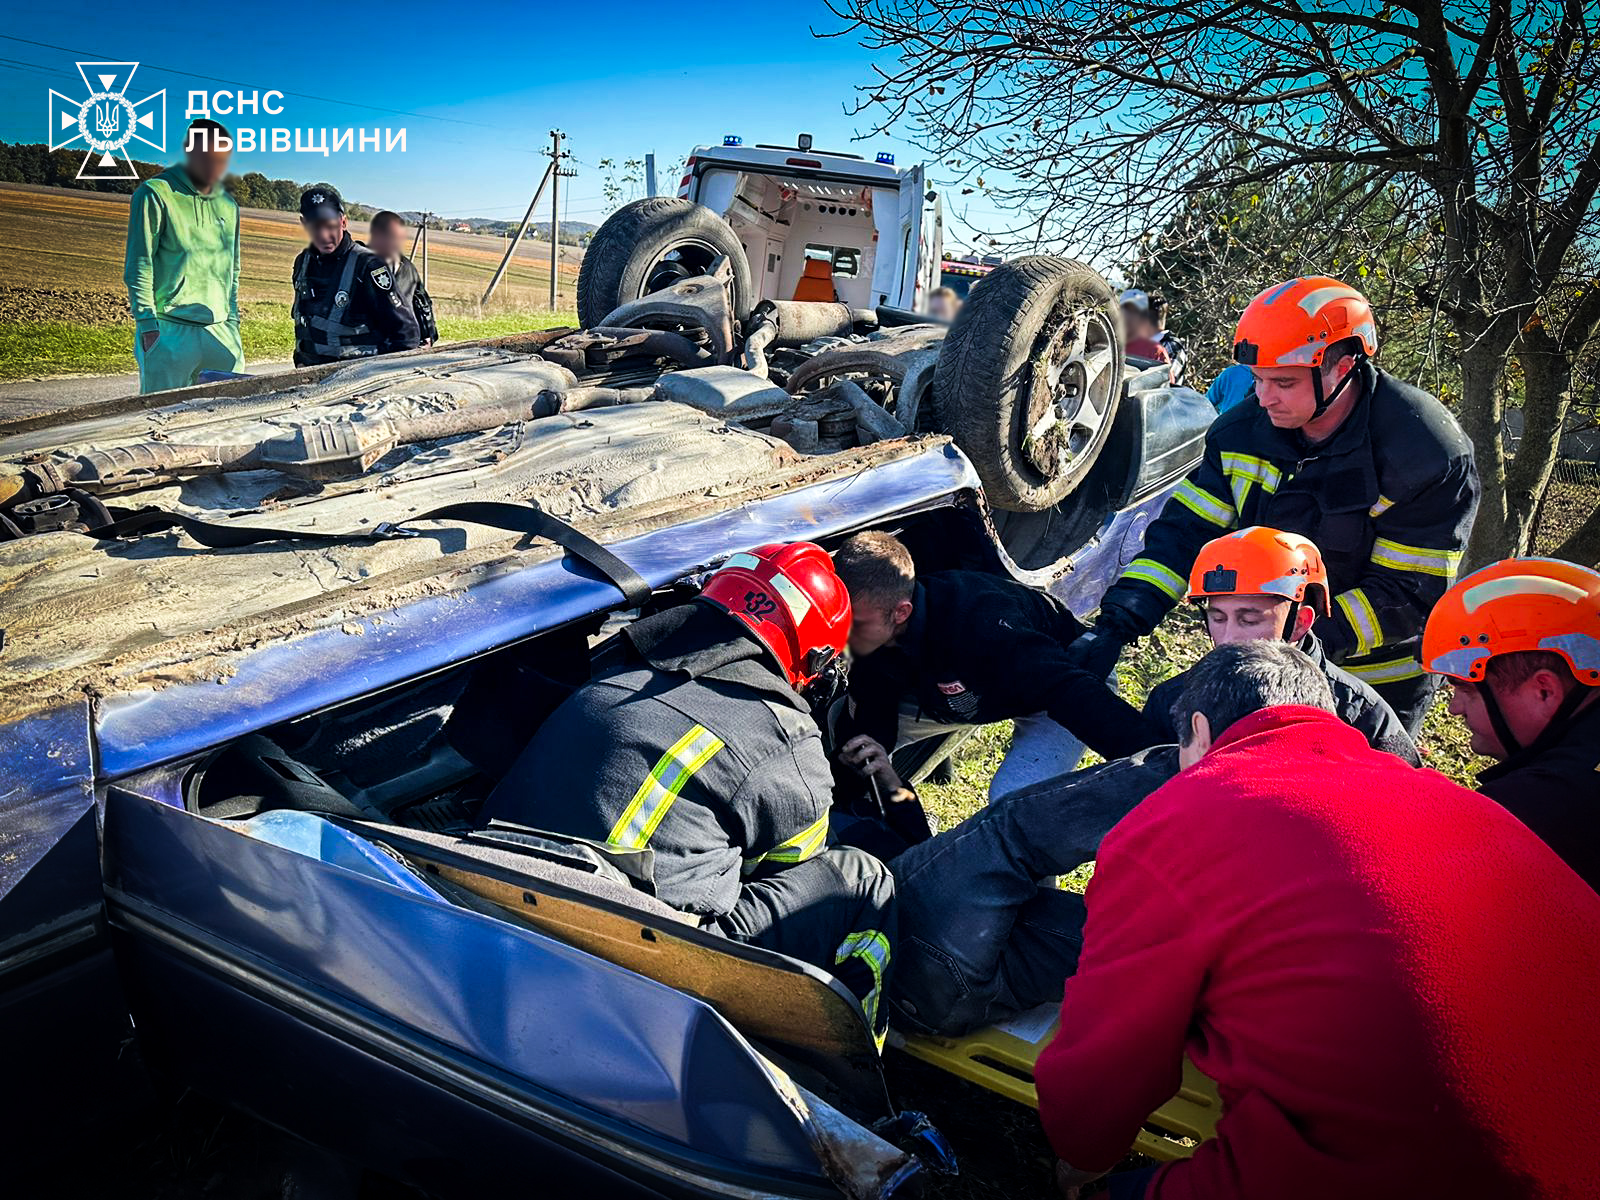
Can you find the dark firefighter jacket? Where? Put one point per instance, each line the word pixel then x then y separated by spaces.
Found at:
pixel 408 286
pixel 1389 500
pixel 345 306
pixel 978 649
pixel 1553 787
pixel 694 748
pixel 1356 703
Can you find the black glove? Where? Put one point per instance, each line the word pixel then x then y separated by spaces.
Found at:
pixel 1097 648
pixel 1096 651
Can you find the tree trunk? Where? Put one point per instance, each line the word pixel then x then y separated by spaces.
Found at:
pixel 1482 367
pixel 1547 376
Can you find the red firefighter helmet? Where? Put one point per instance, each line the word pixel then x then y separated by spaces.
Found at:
pixel 1292 324
pixel 790 598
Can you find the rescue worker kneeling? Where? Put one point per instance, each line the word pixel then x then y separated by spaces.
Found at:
pixel 696 770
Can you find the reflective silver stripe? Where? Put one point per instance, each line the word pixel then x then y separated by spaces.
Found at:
pixel 1164 579
pixel 661 787
pixel 1397 556
pixel 872 948
pixel 1358 610
pixel 1386 672
pixel 800 847
pixel 1383 505
pixel 1204 505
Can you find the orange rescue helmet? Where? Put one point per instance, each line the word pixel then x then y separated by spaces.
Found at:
pixel 1261 562
pixel 1512 606
pixel 791 599
pixel 1292 324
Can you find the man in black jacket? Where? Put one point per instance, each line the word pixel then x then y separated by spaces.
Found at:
pixel 1519 642
pixel 1374 471
pixel 386 240
pixel 692 769
pixel 967 648
pixel 1257 584
pixel 345 305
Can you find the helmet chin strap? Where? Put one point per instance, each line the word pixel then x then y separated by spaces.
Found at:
pixel 1553 727
pixel 1324 403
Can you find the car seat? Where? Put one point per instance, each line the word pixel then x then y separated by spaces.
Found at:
pixel 816 282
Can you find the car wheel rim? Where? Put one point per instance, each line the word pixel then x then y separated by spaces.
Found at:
pixel 684 260
pixel 1070 394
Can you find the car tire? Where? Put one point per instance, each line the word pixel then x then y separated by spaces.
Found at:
pixel 1032 440
pixel 651 244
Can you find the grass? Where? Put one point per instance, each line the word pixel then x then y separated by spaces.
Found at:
pixel 63 307
pixel 29 349
pixel 1177 643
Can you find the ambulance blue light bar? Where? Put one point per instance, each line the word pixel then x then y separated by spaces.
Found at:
pixel 886 158
pixel 732 139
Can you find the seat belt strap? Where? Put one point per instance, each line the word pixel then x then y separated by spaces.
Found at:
pixel 514 518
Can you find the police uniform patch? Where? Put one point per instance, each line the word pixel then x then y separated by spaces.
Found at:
pixel 381 278
pixel 341 299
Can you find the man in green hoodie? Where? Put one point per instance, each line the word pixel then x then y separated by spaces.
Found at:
pixel 182 267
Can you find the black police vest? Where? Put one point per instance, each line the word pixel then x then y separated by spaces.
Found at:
pixel 324 323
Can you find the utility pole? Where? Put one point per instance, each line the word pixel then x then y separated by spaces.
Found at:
pixel 650 174
pixel 556 155
pixel 426 217
pixel 521 229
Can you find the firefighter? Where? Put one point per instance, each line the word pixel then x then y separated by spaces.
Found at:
pixel 345 302
pixel 1376 472
pixel 693 769
pixel 1519 642
pixel 1258 584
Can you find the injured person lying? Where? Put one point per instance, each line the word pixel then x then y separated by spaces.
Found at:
pixel 984 932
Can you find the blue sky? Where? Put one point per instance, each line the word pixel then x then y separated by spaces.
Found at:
pixel 481 93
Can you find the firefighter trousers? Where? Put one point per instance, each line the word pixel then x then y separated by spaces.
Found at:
pixel 835 910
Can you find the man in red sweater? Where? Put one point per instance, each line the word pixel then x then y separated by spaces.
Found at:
pixel 1391 979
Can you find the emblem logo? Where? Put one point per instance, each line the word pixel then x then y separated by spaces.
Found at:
pixel 381 278
pixel 341 299
pixel 317 197
pixel 953 688
pixel 108 120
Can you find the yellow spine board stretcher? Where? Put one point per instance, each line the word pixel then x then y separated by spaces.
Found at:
pixel 1001 1058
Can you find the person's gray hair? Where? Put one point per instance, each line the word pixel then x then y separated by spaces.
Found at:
pixel 1232 682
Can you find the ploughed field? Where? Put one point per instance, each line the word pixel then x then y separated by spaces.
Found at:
pixel 64 310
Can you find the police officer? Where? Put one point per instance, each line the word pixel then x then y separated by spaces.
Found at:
pixel 1376 472
pixel 345 304
pixel 385 240
pixel 693 768
pixel 1519 642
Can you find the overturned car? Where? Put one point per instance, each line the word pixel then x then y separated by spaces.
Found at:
pixel 269 642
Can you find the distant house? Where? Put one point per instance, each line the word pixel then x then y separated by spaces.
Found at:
pixel 461 227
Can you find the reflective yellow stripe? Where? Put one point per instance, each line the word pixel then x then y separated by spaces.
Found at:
pixel 661 787
pixel 1358 610
pixel 1204 505
pixel 872 948
pixel 1383 505
pixel 1385 672
pixel 1148 570
pixel 1397 556
pixel 798 848
pixel 1243 470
